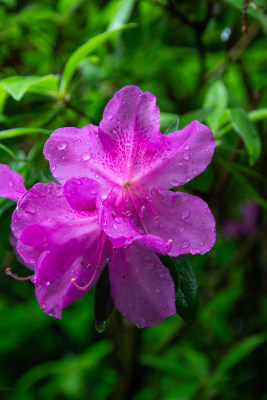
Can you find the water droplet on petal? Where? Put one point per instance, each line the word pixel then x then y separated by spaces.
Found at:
pixel 115 226
pixel 48 284
pixel 186 156
pixel 201 243
pixel 53 311
pixel 86 156
pixel 53 168
pixel 61 145
pixel 43 306
pixel 186 244
pixel 140 323
pixel 173 182
pixel 187 147
pixel 185 214
pixel 11 184
pixel 100 326
pixel 109 117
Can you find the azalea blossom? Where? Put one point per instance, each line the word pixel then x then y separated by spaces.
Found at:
pixel 57 231
pixel 136 166
pixel 113 207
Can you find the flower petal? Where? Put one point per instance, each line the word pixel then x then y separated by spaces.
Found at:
pixel 56 268
pixel 120 224
pixel 184 219
pixel 131 117
pixel 82 193
pixel 141 287
pixel 75 153
pixel 181 156
pixel 45 205
pixel 11 185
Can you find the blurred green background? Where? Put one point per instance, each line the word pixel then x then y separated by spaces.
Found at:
pixel 193 56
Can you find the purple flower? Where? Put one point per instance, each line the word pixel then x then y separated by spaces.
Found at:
pixel 11 185
pixel 136 165
pixel 245 224
pixel 114 207
pixel 58 232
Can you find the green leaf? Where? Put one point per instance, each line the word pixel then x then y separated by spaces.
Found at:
pixel 123 12
pixel 201 115
pixel 256 115
pixel 237 354
pixel 166 119
pixel 103 303
pixel 249 191
pixel 172 127
pixel 9 133
pixel 216 97
pixel 17 86
pixel 83 51
pixel 247 131
pixel 186 288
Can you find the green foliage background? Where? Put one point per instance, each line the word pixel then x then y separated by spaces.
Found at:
pixel 193 56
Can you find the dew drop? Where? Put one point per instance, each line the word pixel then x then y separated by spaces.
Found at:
pixel 174 182
pixel 187 147
pixel 11 184
pixel 53 311
pixel 115 226
pixel 109 117
pixel 140 323
pixel 61 145
pixel 185 214
pixel 186 156
pixel 186 244
pixel 48 284
pixel 38 288
pixel 86 156
pixel 100 326
pixel 43 306
pixel 201 243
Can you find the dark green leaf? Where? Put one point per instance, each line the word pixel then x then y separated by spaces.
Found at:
pixel 103 303
pixel 186 288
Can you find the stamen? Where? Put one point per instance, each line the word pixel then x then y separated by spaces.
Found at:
pixel 111 191
pixel 84 288
pixel 97 265
pixel 137 210
pixel 146 200
pixel 9 272
pixel 124 261
pixel 170 241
